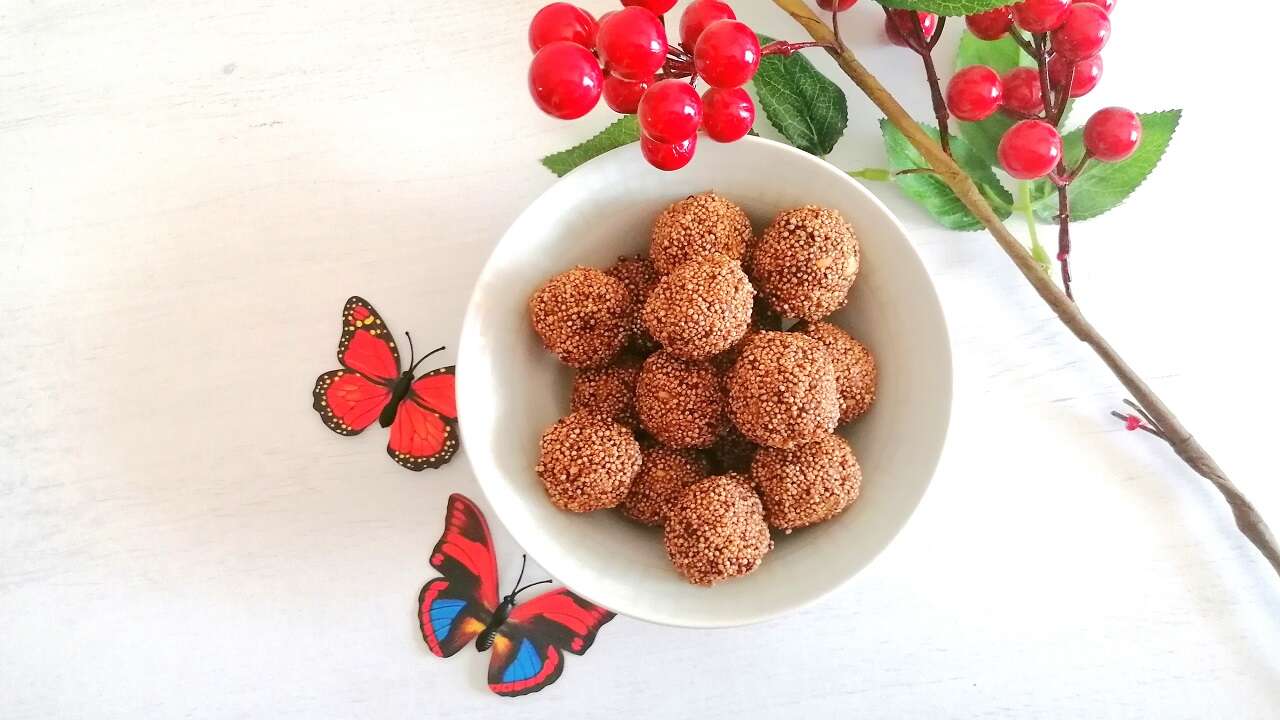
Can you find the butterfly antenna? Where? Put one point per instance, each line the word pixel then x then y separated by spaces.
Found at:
pixel 424 357
pixel 526 587
pixel 411 354
pixel 524 560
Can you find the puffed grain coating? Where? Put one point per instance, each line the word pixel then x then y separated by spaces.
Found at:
pixel 854 364
pixel 782 390
pixel 681 402
pixel 696 227
pixel 587 462
pixel 640 277
pixel 609 391
pixel 716 530
pixel 583 316
pixel 807 484
pixel 664 474
pixel 700 309
pixel 805 262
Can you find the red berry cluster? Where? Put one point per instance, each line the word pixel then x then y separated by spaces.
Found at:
pixel 626 58
pixel 1067 37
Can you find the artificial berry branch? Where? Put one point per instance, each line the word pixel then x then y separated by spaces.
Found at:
pixel 1158 415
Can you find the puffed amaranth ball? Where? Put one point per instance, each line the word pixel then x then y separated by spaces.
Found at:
pixel 664 474
pixel 716 530
pixel 805 262
pixel 608 391
pixel 782 390
pixel 583 316
pixel 807 484
pixel 855 367
pixel 681 402
pixel 700 309
pixel 696 227
pixel 587 462
pixel 640 277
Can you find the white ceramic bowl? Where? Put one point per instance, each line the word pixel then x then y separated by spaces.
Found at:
pixel 510 389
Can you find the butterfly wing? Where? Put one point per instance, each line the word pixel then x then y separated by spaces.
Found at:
pixel 450 616
pixel 425 433
pixel 366 345
pixel 528 652
pixel 347 401
pixel 350 399
pixel 455 608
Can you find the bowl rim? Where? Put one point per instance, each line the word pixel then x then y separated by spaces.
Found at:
pixel 522 537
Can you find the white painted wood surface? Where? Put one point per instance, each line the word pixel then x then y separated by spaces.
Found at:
pixel 188 192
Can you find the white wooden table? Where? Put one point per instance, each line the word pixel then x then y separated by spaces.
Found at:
pixel 190 189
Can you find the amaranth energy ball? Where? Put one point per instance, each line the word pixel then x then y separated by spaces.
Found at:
pixel 608 391
pixel 716 530
pixel 807 484
pixel 698 226
pixel 700 309
pixel 640 277
pixel 854 364
pixel 782 390
pixel 805 262
pixel 583 316
pixel 681 402
pixel 664 474
pixel 587 462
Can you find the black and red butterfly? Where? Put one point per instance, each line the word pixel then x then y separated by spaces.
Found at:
pixel 528 640
pixel 421 413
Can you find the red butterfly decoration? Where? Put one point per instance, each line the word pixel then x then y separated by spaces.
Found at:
pixel 421 413
pixel 529 640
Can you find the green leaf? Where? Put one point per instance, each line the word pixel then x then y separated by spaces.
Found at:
pixel 623 131
pixel 931 192
pixel 946 7
pixel 804 105
pixel 1002 55
pixel 1103 186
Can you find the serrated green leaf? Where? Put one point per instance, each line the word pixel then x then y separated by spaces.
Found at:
pixel 623 131
pixel 1103 186
pixel 804 105
pixel 1002 55
pixel 946 7
pixel 931 192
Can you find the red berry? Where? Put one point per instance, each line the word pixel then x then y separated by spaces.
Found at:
pixel 992 24
pixel 670 111
pixel 727 54
pixel 1088 74
pixel 1107 5
pixel 632 43
pixel 562 21
pixel 657 7
pixel 623 95
pixel 1030 149
pixel 727 113
pixel 1083 34
pixel 1039 16
pixel 841 6
pixel 698 16
pixel 1022 91
pixel 974 93
pixel 565 80
pixel 668 156
pixel 898 26
pixel 1112 134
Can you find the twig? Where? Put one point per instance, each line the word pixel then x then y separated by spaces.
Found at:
pixel 1064 238
pixel 924 49
pixel 1248 520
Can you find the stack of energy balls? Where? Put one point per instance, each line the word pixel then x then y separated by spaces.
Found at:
pixel 692 408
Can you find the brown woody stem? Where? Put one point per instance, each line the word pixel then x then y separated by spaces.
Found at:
pixel 1247 518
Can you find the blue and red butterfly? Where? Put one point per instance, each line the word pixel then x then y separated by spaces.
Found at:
pixel 528 640
pixel 421 413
